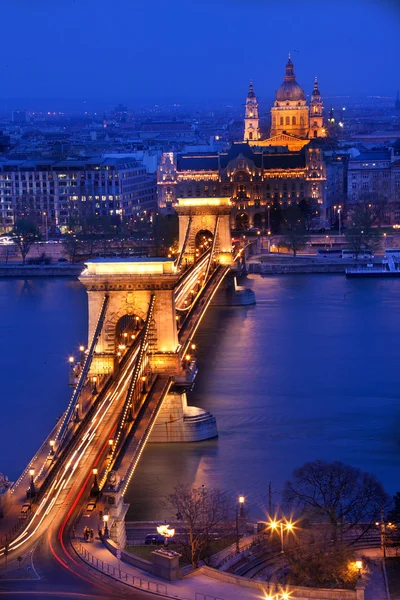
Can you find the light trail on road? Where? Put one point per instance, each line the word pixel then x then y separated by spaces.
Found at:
pixel 85 446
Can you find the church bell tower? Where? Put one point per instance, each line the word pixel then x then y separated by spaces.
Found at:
pixel 251 122
pixel 316 119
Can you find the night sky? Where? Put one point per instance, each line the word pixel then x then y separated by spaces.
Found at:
pixel 182 50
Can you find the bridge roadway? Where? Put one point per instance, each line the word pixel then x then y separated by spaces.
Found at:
pixel 47 533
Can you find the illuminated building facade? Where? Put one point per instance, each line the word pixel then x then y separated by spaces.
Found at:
pixel 61 189
pixel 374 177
pixel 293 123
pixel 286 167
pixel 253 179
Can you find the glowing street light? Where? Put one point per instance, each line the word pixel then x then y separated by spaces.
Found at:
pixel 95 487
pixel 105 519
pixel 359 566
pixel 94 379
pixel 52 444
pixel 166 532
pixel 32 490
pixel 110 446
pixel 281 526
pixel 71 360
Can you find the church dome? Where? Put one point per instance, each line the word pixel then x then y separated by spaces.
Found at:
pixel 290 89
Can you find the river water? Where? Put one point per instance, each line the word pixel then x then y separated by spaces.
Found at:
pixel 312 371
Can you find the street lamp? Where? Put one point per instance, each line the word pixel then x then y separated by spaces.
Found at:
pixel 82 351
pixel 52 444
pixel 95 487
pixel 32 490
pixel 94 379
pixel 47 229
pixel 282 527
pixel 144 388
pixel 359 566
pixel 340 220
pixel 71 360
pixel 105 519
pixel 239 513
pixel 165 531
pixel 110 446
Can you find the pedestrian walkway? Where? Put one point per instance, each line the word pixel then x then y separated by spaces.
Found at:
pixel 194 587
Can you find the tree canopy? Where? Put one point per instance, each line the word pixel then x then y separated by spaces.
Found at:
pixel 25 233
pixel 338 494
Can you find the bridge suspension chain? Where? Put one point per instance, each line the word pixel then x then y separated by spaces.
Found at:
pixel 84 372
pixel 210 259
pixel 178 262
pixel 131 390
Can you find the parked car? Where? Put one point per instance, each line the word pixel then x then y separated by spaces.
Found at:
pixel 154 538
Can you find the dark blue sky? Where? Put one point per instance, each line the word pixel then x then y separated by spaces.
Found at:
pixel 186 50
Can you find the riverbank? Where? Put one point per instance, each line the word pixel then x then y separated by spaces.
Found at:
pixel 29 271
pixel 289 265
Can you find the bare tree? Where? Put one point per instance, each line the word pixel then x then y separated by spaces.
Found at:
pixel 201 511
pixel 362 233
pixel 25 233
pixel 72 245
pixel 294 230
pixel 338 494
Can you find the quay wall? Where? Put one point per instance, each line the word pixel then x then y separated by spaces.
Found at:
pixel 29 271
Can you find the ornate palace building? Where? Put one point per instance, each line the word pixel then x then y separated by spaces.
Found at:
pixel 286 167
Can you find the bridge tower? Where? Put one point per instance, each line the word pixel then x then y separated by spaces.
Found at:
pixel 130 285
pixel 208 216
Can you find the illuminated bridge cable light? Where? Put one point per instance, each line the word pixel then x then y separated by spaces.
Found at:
pixel 135 380
pixel 82 377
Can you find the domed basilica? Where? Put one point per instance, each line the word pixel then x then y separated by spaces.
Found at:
pixel 256 173
pixel 293 123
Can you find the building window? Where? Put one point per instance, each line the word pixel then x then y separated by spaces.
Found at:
pixel 302 121
pixel 281 121
pixel 287 120
pixel 293 120
pixel 250 135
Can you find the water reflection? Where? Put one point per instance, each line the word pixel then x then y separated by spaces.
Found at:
pixel 310 372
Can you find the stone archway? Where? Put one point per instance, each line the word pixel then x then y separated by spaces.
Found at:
pixel 242 221
pixel 203 241
pixel 126 330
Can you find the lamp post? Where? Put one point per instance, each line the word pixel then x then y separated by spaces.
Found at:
pixel 95 487
pixel 105 519
pixel 94 392
pixel 32 490
pixel 359 566
pixel 269 218
pixel 281 527
pixel 340 219
pixel 52 444
pixel 110 447
pixel 46 226
pixel 165 531
pixel 239 514
pixel 82 351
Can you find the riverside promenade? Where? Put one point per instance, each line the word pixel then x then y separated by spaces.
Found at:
pixel 206 583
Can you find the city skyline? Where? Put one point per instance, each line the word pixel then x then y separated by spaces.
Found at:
pixel 187 54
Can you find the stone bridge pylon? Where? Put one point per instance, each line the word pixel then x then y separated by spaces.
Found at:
pixel 210 216
pixel 130 285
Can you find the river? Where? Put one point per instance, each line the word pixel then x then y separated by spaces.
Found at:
pixel 312 371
